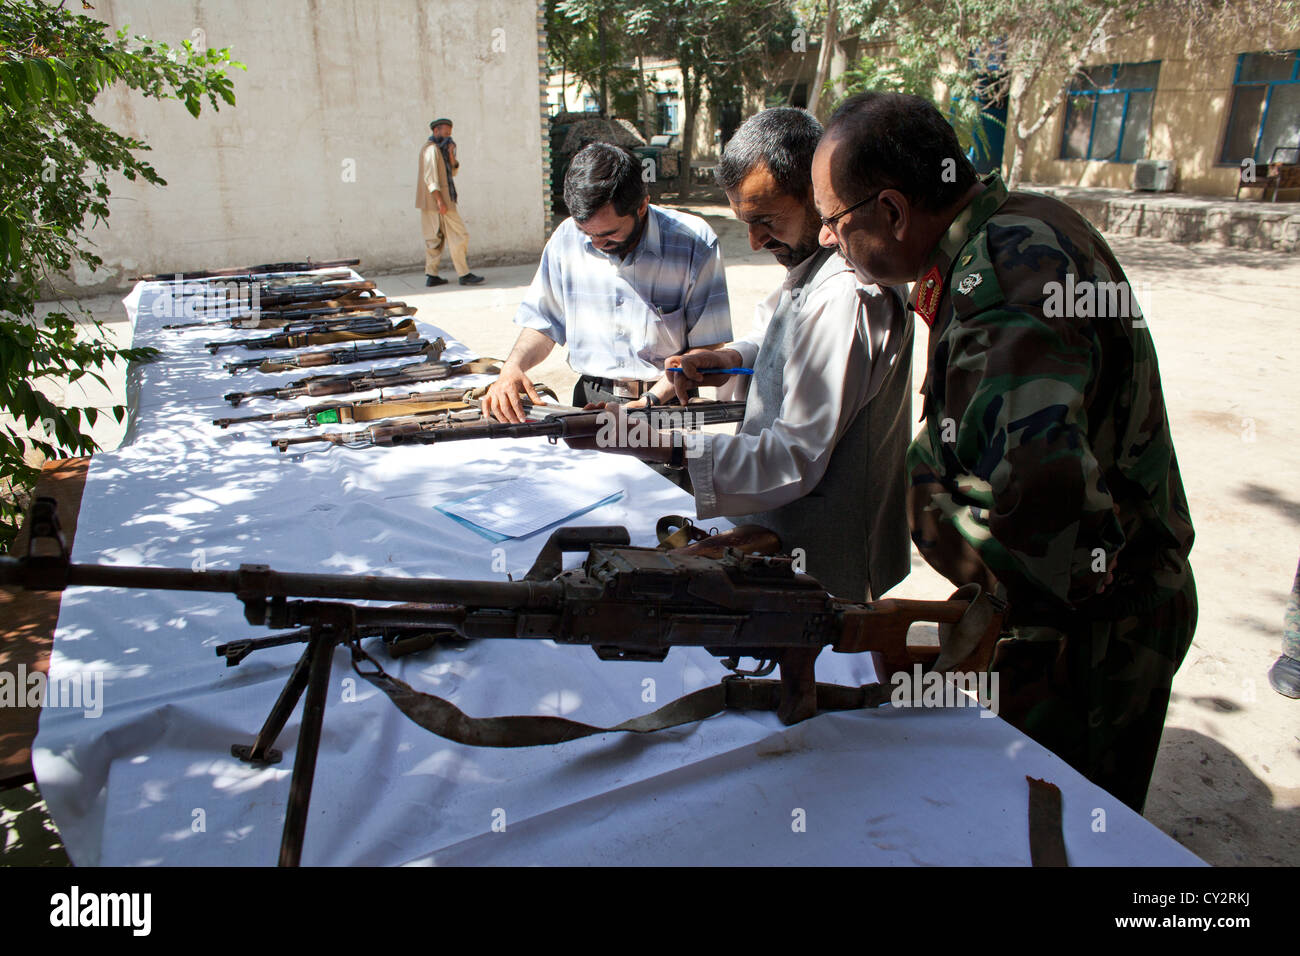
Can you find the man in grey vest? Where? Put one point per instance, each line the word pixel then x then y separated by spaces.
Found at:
pixel 819 457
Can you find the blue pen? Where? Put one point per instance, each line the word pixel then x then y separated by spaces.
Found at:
pixel 718 371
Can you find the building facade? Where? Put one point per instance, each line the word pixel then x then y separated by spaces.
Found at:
pixel 318 156
pixel 1154 95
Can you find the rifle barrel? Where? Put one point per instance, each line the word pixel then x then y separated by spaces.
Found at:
pixel 260 581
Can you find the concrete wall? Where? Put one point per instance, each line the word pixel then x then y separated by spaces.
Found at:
pixel 1189 115
pixel 318 158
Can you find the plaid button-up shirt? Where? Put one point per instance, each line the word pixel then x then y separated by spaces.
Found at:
pixel 621 319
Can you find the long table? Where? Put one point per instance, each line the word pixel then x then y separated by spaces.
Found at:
pixel 140 772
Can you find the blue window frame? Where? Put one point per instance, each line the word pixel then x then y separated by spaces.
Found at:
pixel 1265 111
pixel 1108 112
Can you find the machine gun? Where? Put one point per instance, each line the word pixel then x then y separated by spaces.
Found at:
pixel 413 373
pixel 324 332
pixel 628 604
pixel 344 356
pixel 551 423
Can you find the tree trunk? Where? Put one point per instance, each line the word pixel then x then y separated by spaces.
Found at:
pixel 690 106
pixel 647 107
pixel 604 67
pixel 1015 97
pixel 830 40
pixel 839 66
pixel 1022 83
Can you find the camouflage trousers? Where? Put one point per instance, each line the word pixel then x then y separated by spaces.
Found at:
pixel 1095 692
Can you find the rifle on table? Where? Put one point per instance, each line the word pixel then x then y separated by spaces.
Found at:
pixel 293 296
pixel 213 292
pixel 268 268
pixel 552 423
pixel 410 405
pixel 413 373
pixel 271 319
pixel 287 282
pixel 344 356
pixel 628 604
pixel 299 335
pixel 399 420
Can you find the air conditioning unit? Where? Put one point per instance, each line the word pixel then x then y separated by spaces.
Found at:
pixel 1154 175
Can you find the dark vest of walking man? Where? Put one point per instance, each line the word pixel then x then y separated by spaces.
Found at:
pixel 435 197
pixel 819 456
pixel 1045 468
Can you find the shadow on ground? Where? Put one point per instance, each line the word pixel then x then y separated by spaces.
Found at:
pixel 1246 828
pixel 27 834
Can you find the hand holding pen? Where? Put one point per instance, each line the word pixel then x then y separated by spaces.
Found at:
pixel 709 367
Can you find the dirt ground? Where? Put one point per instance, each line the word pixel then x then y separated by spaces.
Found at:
pixel 1227 783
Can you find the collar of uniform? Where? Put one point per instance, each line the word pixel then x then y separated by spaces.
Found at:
pixel 929 288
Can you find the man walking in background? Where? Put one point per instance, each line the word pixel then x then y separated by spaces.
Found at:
pixel 435 197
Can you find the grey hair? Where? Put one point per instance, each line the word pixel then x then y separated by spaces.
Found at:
pixel 783 139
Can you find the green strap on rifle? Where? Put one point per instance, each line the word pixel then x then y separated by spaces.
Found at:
pixel 441 717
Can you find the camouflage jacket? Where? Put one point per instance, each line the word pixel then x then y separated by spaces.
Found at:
pixel 1045 455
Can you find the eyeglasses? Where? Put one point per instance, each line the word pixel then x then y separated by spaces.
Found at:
pixel 830 222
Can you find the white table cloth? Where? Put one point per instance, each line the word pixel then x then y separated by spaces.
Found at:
pixel 151 781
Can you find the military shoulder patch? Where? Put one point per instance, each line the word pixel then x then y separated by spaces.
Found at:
pixel 928 292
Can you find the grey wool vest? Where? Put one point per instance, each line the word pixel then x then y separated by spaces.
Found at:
pixel 852 528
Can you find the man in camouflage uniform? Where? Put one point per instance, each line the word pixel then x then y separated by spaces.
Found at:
pixel 1045 469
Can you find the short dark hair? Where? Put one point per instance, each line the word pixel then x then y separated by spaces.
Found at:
pixel 783 139
pixel 600 174
pixel 897 141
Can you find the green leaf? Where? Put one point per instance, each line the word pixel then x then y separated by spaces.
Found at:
pixel 35 77
pixel 16 80
pixel 47 102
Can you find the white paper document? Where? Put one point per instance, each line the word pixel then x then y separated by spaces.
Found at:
pixel 522 506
